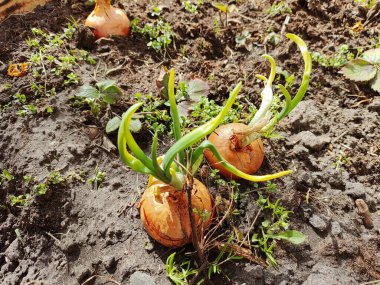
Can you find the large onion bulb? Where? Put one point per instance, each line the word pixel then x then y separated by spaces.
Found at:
pixel 164 212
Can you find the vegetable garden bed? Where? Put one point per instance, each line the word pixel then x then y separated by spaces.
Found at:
pixel 69 206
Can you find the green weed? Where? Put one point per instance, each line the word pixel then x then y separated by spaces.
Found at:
pixel 5 175
pixel 192 7
pixel 179 274
pixel 51 56
pixel 275 227
pixel 278 8
pixel 156 114
pixel 207 109
pixel 160 33
pixel 97 180
pixel 34 188
pixel 340 58
pixel 341 160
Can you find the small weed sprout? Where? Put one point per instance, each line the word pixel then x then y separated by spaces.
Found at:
pixel 340 161
pixel 98 178
pixel 37 189
pixel 192 7
pixel 206 109
pixel 179 274
pixel 224 9
pixel 5 175
pixel 23 200
pixel 216 27
pixel 241 39
pixel 278 8
pixel 156 11
pixel 156 116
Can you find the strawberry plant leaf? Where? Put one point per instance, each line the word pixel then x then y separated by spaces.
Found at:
pixel 88 91
pixel 115 122
pixel 113 125
pixel 135 125
pixel 184 108
pixel 359 70
pixel 111 94
pixel 372 56
pixel 102 85
pixel 196 88
pixel 375 83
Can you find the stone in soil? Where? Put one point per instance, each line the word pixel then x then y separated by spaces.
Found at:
pixel 141 278
pixel 318 222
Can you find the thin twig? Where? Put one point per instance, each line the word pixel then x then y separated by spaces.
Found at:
pixel 204 263
pixel 101 276
pixel 53 237
pixel 118 67
pixel 370 282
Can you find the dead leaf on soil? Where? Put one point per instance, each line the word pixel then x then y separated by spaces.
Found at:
pixel 8 8
pixel 18 69
pixel 357 28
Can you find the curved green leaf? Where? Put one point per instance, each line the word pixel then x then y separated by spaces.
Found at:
pixel 199 133
pixel 254 178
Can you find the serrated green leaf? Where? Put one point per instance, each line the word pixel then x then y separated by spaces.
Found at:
pixel 196 88
pixel 375 83
pixel 295 237
pixel 88 91
pixel 135 125
pixel 113 125
pixel 102 85
pixel 372 55
pixel 111 94
pixel 359 70
pixel 222 7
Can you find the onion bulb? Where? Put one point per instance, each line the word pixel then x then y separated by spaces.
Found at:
pixel 227 139
pixel 107 20
pixel 165 216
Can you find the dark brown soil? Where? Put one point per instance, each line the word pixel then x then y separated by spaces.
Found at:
pixel 75 232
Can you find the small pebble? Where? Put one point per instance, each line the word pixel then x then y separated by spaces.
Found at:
pixel 318 223
pixel 141 278
pixel 335 228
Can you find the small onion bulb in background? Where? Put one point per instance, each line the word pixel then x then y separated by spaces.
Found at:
pixel 107 20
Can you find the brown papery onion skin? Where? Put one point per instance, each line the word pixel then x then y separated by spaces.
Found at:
pixel 247 159
pixel 165 216
pixel 107 20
